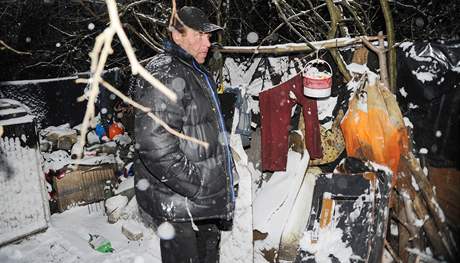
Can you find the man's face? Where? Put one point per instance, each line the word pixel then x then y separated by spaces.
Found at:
pixel 194 42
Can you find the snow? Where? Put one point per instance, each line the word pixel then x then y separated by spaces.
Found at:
pixel 329 243
pixel 66 241
pixel 360 69
pixel 438 210
pixel 166 231
pixel 114 206
pixel 19 120
pixel 240 72
pixel 252 37
pixel 237 244
pixel 60 130
pixel 423 150
pixel 273 203
pixel 24 206
pixel 408 123
pixel 424 76
pixel 412 106
pixel 425 171
pixel 11 111
pixel 126 183
pixel 55 160
pixel 325 108
pixel 414 183
pixel 438 134
pixel 394 229
pixel 403 92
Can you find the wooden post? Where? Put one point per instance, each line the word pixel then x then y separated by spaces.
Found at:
pixel 380 51
pixel 430 200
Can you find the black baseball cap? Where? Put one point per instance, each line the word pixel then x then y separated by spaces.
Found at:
pixel 196 19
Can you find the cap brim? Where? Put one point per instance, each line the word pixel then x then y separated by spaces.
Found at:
pixel 209 27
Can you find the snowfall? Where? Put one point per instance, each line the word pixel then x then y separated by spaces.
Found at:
pixel 264 205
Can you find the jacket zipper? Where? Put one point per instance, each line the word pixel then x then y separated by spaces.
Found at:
pixel 222 128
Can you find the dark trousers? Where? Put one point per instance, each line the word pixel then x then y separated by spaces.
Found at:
pixel 190 246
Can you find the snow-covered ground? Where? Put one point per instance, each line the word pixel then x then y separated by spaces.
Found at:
pixel 66 241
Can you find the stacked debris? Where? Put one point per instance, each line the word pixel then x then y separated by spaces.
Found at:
pixel 105 161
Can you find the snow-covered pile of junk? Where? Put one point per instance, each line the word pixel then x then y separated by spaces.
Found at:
pixel 44 116
pixel 330 171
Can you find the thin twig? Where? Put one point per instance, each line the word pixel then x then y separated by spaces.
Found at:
pixel 14 50
pixel 355 16
pixel 287 20
pixel 291 27
pixel 145 39
pixel 61 31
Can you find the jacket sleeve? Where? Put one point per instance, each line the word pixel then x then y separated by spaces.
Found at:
pixel 158 149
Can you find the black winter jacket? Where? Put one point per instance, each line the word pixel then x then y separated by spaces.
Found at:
pixel 177 179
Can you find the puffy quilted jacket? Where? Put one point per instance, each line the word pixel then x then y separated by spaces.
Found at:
pixel 176 179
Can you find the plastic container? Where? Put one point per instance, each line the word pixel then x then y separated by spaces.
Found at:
pixel 316 83
pixel 100 243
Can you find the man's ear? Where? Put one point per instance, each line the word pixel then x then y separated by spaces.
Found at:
pixel 176 36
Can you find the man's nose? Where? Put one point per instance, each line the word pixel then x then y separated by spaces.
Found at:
pixel 207 42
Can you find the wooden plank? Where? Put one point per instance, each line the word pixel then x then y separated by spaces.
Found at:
pixel 447 183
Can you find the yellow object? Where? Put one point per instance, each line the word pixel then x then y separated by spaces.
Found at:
pixel 220 88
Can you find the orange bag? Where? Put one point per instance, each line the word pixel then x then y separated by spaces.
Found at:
pixel 373 127
pixel 115 129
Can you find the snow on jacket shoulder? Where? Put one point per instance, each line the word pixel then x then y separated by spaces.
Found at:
pixel 174 176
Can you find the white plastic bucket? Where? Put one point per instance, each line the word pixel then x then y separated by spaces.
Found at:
pixel 317 84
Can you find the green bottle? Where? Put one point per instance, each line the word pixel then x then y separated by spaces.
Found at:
pixel 100 243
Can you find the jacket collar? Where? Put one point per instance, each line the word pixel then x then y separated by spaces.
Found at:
pixel 175 50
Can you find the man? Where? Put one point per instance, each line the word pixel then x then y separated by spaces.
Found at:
pixel 178 181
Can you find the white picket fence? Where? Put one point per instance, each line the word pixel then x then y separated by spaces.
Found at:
pixel 24 207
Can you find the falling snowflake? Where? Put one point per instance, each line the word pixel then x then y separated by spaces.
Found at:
pixel 166 231
pixel 252 37
pixel 142 184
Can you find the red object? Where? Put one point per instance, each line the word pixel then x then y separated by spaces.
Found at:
pixel 114 130
pixel 275 109
pixel 316 83
pixel 317 88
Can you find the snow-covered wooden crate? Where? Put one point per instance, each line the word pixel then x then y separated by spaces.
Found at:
pixel 23 200
pixel 83 186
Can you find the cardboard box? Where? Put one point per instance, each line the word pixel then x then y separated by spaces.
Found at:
pixel 83 186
